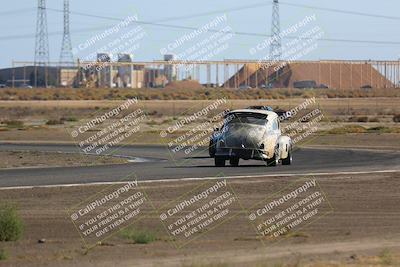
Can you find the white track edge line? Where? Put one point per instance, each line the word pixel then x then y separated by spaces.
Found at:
pixel 199 179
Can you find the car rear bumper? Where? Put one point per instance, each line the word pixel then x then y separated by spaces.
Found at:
pixel 242 153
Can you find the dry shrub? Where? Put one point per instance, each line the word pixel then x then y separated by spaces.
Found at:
pixel 396 118
pixel 11 225
pixel 185 90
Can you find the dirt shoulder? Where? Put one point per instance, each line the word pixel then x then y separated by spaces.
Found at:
pixel 27 159
pixel 359 122
pixel 387 141
pixel 362 140
pixel 361 230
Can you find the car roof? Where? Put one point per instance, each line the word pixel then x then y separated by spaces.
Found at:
pixel 259 111
pixel 261 107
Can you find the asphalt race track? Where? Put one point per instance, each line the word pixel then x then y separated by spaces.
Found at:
pixel 155 163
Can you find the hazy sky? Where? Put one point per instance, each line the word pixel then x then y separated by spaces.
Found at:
pixel 17 30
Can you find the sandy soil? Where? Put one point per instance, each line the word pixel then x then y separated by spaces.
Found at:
pixel 362 230
pixel 332 106
pixel 26 120
pixel 370 140
pixel 60 135
pixel 20 159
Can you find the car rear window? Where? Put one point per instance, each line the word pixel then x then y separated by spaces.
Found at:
pixel 248 118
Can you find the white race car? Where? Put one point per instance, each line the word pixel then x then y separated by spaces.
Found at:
pixel 251 134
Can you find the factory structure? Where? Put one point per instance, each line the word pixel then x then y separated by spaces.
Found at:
pixel 318 74
pixel 124 72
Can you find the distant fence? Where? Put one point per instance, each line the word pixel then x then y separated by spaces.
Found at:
pixel 242 74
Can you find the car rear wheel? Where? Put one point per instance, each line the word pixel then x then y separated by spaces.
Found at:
pixel 272 162
pixel 288 160
pixel 219 162
pixel 211 149
pixel 234 161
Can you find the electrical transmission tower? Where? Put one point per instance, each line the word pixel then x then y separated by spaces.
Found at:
pixel 66 56
pixel 42 56
pixel 276 44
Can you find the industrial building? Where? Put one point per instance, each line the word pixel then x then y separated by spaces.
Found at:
pixel 126 73
pixel 32 76
pixel 317 74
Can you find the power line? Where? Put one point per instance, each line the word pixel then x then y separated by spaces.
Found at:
pixel 234 32
pixel 180 27
pixel 16 11
pixel 341 11
pixel 238 8
pixel 83 30
pixel 28 36
pixel 203 14
pixel 149 23
pixel 24 36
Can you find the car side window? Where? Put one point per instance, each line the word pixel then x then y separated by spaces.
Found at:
pixel 275 126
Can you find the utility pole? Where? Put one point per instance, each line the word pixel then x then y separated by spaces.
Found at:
pixel 276 44
pixel 66 56
pixel 42 55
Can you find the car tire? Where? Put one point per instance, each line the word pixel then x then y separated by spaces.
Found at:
pixel 234 161
pixel 288 160
pixel 212 149
pixel 272 162
pixel 219 162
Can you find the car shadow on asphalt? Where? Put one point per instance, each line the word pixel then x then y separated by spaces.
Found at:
pixel 198 157
pixel 212 166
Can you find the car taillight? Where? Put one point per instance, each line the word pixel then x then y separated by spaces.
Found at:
pixel 222 143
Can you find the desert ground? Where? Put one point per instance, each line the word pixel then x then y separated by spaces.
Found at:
pixel 53 121
pixel 360 229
